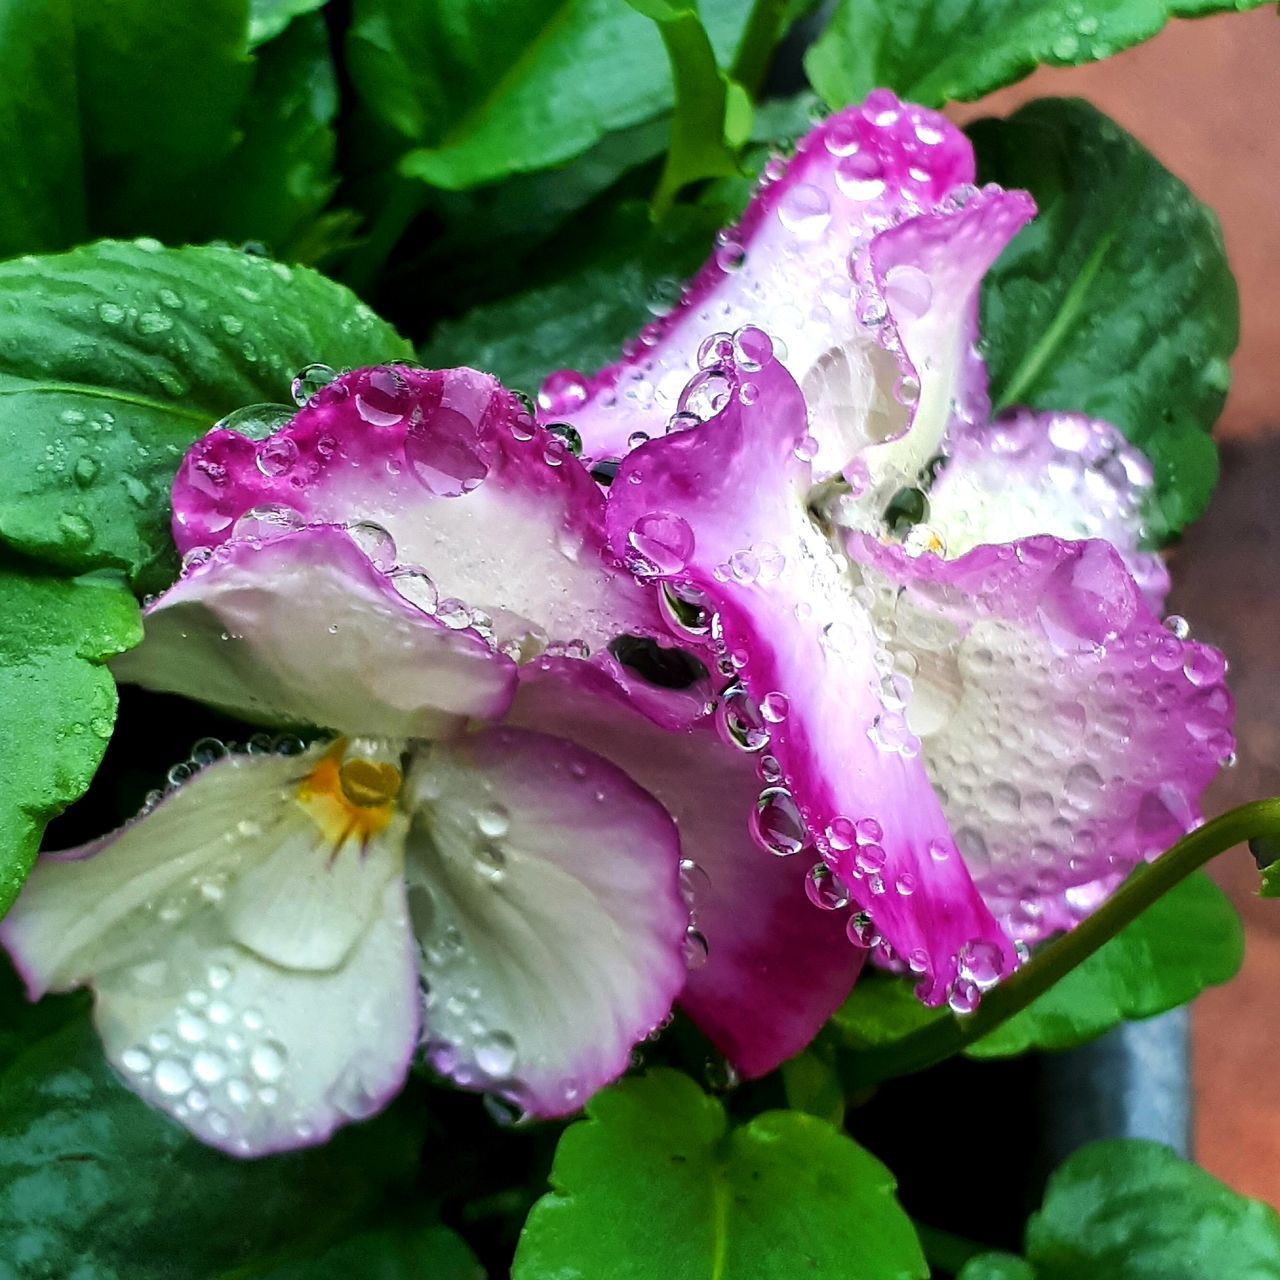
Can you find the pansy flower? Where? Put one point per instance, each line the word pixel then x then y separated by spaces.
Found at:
pixel 973 722
pixel 458 862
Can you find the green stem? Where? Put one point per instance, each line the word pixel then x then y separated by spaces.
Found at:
pixel 404 200
pixel 759 39
pixel 946 1251
pixel 950 1035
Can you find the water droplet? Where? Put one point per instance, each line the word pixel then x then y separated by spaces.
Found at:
pixel 385 398
pixel 172 1077
pixel 563 390
pixel 572 440
pixel 443 452
pixel 255 421
pixel 374 541
pixel 774 707
pixel 495 1054
pixel 415 586
pixel 267 521
pixel 310 379
pixel 752 348
pixel 776 823
pixel 267 1061
pixel 277 455
pixel 110 312
pixel 825 889
pixel 908 291
pixel 696 949
pixel 86 471
pixel 982 963
pixel 209 1066
pixel 740 721
pixel 660 544
pixel 804 210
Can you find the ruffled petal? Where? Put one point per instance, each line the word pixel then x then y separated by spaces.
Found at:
pixel 923 289
pixel 721 509
pixel 766 970
pixel 1068 733
pixel 447 473
pixel 814 261
pixel 1054 473
pixel 250 1054
pixel 305 629
pixel 545 896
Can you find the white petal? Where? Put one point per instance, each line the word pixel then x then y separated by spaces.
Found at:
pixel 248 1054
pixel 544 887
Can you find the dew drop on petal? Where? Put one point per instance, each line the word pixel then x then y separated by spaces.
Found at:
pixel 495 1054
pixel 660 544
pixel 776 824
pixel 443 453
pixel 310 379
pixel 385 398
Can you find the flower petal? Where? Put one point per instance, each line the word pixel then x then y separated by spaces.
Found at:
pixel 544 890
pixel 924 277
pixel 250 1055
pixel 448 473
pixel 828 215
pixel 722 509
pixel 1056 473
pixel 1069 733
pixel 304 629
pixel 773 970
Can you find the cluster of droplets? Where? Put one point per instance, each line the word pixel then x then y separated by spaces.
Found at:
pixel 861 172
pixel 207 751
pixel 1077 477
pixel 1061 753
pixel 214 1061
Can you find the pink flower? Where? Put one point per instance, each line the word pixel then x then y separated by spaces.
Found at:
pixel 464 866
pixel 972 722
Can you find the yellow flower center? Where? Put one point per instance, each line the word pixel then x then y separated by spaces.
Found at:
pixel 350 797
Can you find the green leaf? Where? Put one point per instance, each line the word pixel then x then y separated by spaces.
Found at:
pixel 701 125
pixel 996 1266
pixel 1188 940
pixel 42 199
pixel 582 319
pixel 268 18
pixel 480 98
pixel 94 1185
pixel 939 51
pixel 654 1184
pixel 1117 300
pixel 159 88
pixel 281 174
pixel 116 356
pixel 1132 1210
pixel 431 1252
pixel 57 701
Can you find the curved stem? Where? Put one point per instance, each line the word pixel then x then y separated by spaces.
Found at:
pixel 949 1035
pixel 755 50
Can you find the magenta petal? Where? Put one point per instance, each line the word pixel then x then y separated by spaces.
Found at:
pixel 451 476
pixel 1057 473
pixel 861 258
pixel 722 508
pixel 924 277
pixel 773 970
pixel 1069 733
pixel 305 629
